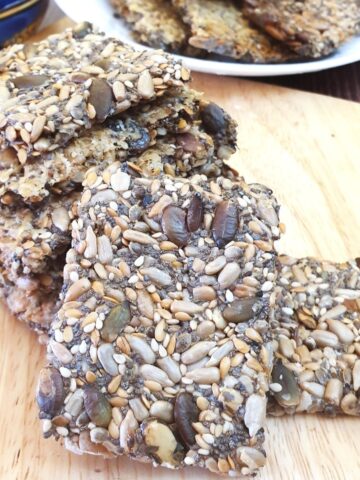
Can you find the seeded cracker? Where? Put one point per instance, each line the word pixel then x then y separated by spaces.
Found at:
pixel 166 297
pixel 53 90
pixel 33 300
pixel 220 27
pixel 169 134
pixel 30 238
pixel 189 133
pixel 33 243
pixel 316 326
pixel 154 23
pixel 312 28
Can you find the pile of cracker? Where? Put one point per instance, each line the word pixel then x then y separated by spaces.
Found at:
pixel 149 268
pixel 253 31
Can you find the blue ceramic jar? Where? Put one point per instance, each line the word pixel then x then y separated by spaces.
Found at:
pixel 19 18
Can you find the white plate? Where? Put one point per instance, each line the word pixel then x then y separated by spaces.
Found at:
pixel 100 13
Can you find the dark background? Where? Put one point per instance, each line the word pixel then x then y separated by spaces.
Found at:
pixel 341 82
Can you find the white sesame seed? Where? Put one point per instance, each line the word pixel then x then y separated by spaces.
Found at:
pixel 203 451
pixel 65 372
pixel 267 286
pixel 139 261
pixel 89 328
pixel 208 438
pixel 74 276
pixel 58 336
pixel 82 347
pixel 275 387
pixel 187 381
pixel 154 345
pixel 64 432
pixel 229 296
pixel 119 358
pixel 162 351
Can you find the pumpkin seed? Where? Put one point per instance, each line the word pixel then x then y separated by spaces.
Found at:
pixel 116 321
pixel 289 395
pixel 50 393
pixel 225 223
pixel 97 406
pixel 101 98
pixel 173 223
pixel 186 413
pixel 30 81
pixel 240 310
pixel 195 213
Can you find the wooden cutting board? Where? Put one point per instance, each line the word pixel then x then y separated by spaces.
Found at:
pixel 307 148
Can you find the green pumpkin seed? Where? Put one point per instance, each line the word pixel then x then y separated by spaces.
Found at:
pixel 97 406
pixel 116 321
pixel 289 395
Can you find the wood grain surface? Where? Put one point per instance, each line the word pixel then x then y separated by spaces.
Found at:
pixel 306 147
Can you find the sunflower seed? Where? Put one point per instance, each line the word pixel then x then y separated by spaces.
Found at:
pixel 343 332
pixel 105 355
pixel 163 410
pixel 204 375
pixel 197 352
pixel 220 353
pixel 141 347
pixel 215 266
pixel 229 275
pixel 145 84
pixel 160 278
pixel 139 409
pixel 171 368
pixel 155 374
pixel 128 428
pixel 255 412
pixel 324 338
